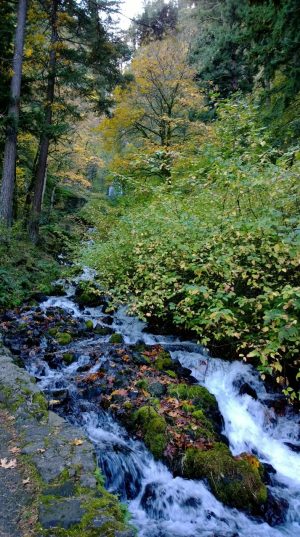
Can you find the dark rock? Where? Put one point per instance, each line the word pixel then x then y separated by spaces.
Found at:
pixel 269 471
pixel 14 345
pixel 52 360
pixel 83 368
pixel 108 319
pixel 278 404
pixel 60 393
pixel 150 494
pixel 246 389
pixel 8 316
pixel 275 510
pixel 157 389
pixel 66 490
pixel 133 395
pixel 61 513
pixel 103 330
pixel 293 447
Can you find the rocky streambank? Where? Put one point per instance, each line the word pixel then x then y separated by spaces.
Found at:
pixel 153 396
pixel 55 488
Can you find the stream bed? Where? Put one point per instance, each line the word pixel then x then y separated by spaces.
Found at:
pixel 162 505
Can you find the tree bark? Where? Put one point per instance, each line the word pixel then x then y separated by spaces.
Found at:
pixel 10 150
pixel 40 174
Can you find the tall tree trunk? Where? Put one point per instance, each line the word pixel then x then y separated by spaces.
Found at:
pixel 10 150
pixel 40 174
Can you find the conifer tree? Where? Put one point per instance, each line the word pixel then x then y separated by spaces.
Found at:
pixel 10 150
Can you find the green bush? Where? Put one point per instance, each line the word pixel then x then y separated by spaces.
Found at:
pixel 25 270
pixel 216 252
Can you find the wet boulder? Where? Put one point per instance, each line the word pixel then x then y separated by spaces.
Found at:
pixel 153 427
pixel 63 338
pixel 116 339
pixel 246 389
pixel 157 389
pixel 89 324
pixel 275 510
pixel 107 319
pixel 103 330
pixel 234 481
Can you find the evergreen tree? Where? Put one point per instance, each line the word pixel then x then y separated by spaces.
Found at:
pixel 7 28
pixel 10 150
pixel 218 50
pixel 158 20
pixel 83 63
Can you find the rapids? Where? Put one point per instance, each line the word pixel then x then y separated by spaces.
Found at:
pixel 161 505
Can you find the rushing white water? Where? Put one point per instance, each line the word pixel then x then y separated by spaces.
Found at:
pixel 164 506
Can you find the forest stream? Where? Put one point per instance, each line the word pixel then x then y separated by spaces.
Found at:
pixel 162 505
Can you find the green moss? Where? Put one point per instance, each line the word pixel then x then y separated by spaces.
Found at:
pixel 142 384
pixel 188 408
pixel 63 338
pixel 40 402
pixel 199 395
pixel 11 400
pixel 68 357
pixel 198 415
pixel 234 482
pixel 153 427
pixel 102 330
pixel 89 324
pixel 206 425
pixel 53 331
pixel 116 339
pixel 171 373
pixel 164 361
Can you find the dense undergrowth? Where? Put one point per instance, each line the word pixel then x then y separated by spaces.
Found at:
pixel 27 271
pixel 215 249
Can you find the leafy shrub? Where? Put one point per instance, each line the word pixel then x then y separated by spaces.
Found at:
pixel 216 252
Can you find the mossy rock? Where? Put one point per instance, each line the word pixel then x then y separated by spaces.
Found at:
pixel 142 384
pixel 171 374
pixel 68 358
pixel 199 396
pixel 63 338
pixel 116 339
pixel 157 389
pixel 103 330
pixel 153 426
pixel 89 324
pixel 164 362
pixel 235 482
pixel 53 331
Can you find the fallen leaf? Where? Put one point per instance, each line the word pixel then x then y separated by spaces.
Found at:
pixel 54 402
pixel 40 450
pixel 6 464
pixel 77 442
pixel 121 392
pixel 15 450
